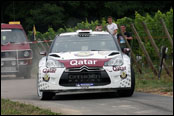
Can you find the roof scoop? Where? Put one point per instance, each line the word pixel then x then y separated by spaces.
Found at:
pixel 84 33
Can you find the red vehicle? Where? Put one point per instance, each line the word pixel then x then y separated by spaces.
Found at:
pixel 16 54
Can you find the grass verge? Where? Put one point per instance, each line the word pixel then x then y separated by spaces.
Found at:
pixel 15 108
pixel 149 83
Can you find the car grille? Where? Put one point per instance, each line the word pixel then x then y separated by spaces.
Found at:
pixel 13 54
pixel 8 54
pixel 95 76
pixel 84 69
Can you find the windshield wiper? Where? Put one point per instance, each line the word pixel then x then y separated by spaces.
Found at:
pixel 6 43
pixel 12 42
pixel 98 50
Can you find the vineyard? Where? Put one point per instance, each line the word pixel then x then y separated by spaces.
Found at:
pixel 153 24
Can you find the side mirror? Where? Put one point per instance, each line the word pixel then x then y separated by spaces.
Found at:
pixel 43 53
pixel 126 51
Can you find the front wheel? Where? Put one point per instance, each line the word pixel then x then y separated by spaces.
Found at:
pixel 128 92
pixel 44 95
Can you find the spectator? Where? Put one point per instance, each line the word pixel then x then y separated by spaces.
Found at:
pixel 127 34
pixel 121 39
pixel 98 27
pixel 112 27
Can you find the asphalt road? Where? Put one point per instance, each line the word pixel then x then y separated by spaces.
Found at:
pixel 24 90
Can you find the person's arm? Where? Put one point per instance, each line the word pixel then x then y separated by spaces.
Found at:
pixel 129 37
pixel 115 29
pixel 115 32
pixel 106 28
pixel 96 28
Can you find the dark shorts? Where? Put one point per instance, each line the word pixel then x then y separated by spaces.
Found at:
pixel 123 45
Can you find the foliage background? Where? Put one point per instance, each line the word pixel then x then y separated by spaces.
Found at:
pixel 153 23
pixel 61 14
pixel 54 17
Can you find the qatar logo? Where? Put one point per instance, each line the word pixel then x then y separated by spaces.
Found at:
pixel 50 70
pixel 82 62
pixel 119 68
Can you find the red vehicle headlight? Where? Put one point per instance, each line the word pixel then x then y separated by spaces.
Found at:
pixel 26 54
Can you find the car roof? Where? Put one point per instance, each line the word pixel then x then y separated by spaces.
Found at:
pixel 11 26
pixel 84 31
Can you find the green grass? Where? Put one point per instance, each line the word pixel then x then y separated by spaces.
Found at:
pixel 15 108
pixel 147 82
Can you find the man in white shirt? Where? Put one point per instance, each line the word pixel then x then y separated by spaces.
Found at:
pixel 112 27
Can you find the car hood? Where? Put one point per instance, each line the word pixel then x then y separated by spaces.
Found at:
pixel 84 55
pixel 15 47
pixel 87 58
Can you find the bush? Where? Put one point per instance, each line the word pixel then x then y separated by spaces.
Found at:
pixel 153 24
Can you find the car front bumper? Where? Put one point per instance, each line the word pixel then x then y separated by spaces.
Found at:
pixel 21 65
pixel 53 84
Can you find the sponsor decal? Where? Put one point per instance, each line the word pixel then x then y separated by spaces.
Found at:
pixel 83 54
pixel 46 78
pixel 104 52
pixel 119 68
pixel 49 70
pixel 82 62
pixel 123 75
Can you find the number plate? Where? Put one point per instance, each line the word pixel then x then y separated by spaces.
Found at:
pixel 83 76
pixel 8 69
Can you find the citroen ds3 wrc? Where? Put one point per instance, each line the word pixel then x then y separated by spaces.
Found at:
pixel 16 54
pixel 85 61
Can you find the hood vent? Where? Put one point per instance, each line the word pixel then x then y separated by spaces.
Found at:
pixel 55 55
pixel 113 53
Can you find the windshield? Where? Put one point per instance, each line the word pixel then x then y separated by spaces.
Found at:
pixel 92 43
pixel 12 36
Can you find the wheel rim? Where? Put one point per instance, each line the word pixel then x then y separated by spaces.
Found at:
pixel 40 94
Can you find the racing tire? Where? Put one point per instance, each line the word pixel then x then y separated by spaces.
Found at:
pixel 47 95
pixel 128 92
pixel 44 95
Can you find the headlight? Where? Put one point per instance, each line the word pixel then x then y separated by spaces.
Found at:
pixel 54 63
pixel 13 63
pixel 26 54
pixel 114 62
pixel 2 63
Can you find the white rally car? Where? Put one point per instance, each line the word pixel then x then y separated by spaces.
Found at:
pixel 85 61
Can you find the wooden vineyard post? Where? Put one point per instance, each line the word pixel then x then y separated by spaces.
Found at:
pixel 132 54
pixel 155 46
pixel 144 50
pixel 166 32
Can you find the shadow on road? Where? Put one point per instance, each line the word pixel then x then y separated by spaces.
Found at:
pixel 86 96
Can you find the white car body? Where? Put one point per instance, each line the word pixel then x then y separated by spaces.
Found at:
pixel 75 62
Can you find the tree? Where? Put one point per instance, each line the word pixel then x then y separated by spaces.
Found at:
pixel 60 14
